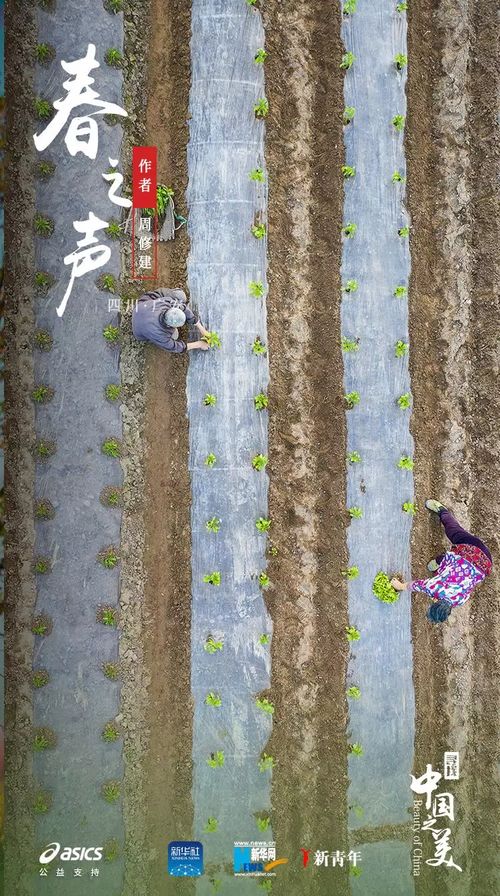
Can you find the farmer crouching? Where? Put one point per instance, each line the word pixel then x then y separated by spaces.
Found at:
pixel 157 317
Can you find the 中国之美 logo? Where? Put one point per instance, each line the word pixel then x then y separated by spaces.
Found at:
pixel 255 859
pixel 185 858
pixel 70 853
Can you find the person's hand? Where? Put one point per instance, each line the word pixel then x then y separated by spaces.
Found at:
pixel 198 344
pixel 399 586
pixel 201 328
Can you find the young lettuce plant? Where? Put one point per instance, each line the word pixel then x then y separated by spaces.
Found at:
pixel 212 339
pixel 258 231
pixel 349 7
pixel 256 289
pixel 404 231
pixel 399 122
pixel 260 56
pixel 349 230
pixel 350 345
pixel 383 589
pixel 261 108
pixel 216 760
pixel 45 53
pixel 355 513
pixel 213 525
pixel 400 61
pixel 348 171
pixel 213 646
pixel 265 705
pixel 210 460
pixel 401 349
pixel 113 57
pixel 348 114
pixel 263 823
pixel 259 462
pixel 353 692
pixel 350 286
pixel 266 763
pixel 43 226
pixel 352 572
pixel 352 399
pixel 356 749
pixel 213 699
pixel 212 578
pixel 400 292
pixel 405 463
pixel 209 400
pixel 264 639
pixel 43 340
pixel 397 178
pixel 260 401
pixel 211 825
pixel 402 7
pixel 348 60
pixel 410 507
pixel 263 524
pixel 354 457
pixel 264 580
pixel 352 633
pixel 257 175
pixel 258 346
pixel 404 401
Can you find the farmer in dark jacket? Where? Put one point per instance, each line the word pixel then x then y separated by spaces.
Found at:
pixel 157 316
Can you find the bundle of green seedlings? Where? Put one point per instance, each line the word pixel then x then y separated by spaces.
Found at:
pixel 383 589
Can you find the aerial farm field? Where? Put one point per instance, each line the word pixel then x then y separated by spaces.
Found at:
pixel 195 650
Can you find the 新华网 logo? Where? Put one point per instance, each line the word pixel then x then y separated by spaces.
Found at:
pixel 185 858
pixel 255 859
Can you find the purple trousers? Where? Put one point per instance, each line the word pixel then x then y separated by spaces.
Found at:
pixel 458 535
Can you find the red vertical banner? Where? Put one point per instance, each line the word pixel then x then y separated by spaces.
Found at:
pixel 144 224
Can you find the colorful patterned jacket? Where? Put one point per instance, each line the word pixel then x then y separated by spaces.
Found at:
pixel 461 570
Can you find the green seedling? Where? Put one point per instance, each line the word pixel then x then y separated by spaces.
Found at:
pixel 44 739
pixel 111 447
pixel 400 292
pixel 40 678
pixel 406 463
pixel 256 289
pixel 402 7
pixel 348 171
pixel 252 2
pixel 404 231
pixel 43 109
pixel 215 882
pixel 400 61
pixel 410 507
pixel 347 60
pixel 355 871
pixel 349 230
pixel 113 6
pixel 114 230
pixel 260 56
pixel 163 196
pixel 211 826
pixel 45 53
pixel 212 646
pixel 352 399
pixel 265 885
pixel 257 175
pixel 263 524
pixel 263 823
pixel 41 625
pixel 212 578
pixel 350 286
pixel 216 759
pixel 404 401
pixel 352 572
pixel 350 345
pixel 258 231
pixel 259 462
pixel 355 513
pixel 210 400
pixel 107 616
pixel 111 791
pixel 383 589
pixel 110 732
pixel 352 633
pixel 111 333
pixel 397 178
pixel 112 120
pixel 353 692
pixel 260 401
pixel 350 7
pixel 354 457
pixel 113 392
pixel 107 282
pixel 42 802
pixel 261 108
pixel 265 705
pixel 266 763
pixel 44 510
pixel 212 339
pixel 213 525
pixel 113 57
pixel 258 347
pixel 42 394
pixel 44 169
pixel 348 114
pixel 43 281
pixel 43 226
pixel 45 448
pixel 356 749
pixel 401 349
pixel 358 811
pixel 264 639
pixel 273 551
pixel 264 580
pixel 111 671
pixel 210 460
pixel 108 557
pixel 213 699
pixel 111 850
pixel 399 122
pixel 42 565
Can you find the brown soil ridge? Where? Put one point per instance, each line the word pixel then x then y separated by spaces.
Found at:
pixel 307 438
pixel 156 519
pixel 450 146
pixel 19 441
